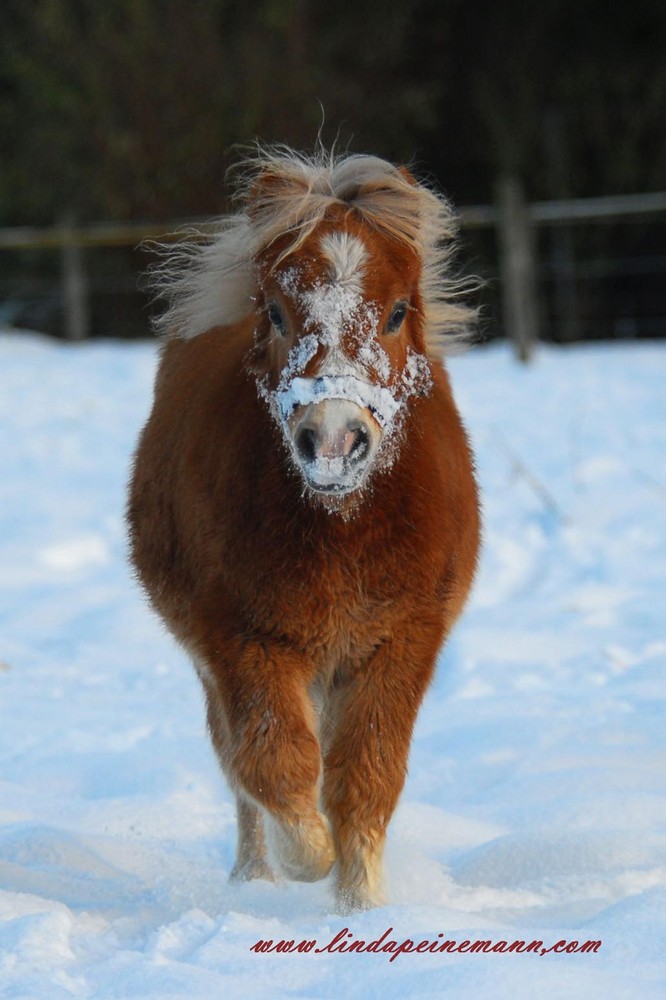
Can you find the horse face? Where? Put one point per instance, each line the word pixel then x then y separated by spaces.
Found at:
pixel 341 332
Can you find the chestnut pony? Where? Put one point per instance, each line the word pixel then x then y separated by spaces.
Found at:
pixel 303 512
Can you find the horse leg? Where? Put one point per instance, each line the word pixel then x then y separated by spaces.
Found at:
pixel 251 846
pixel 371 715
pixel 263 727
pixel 251 861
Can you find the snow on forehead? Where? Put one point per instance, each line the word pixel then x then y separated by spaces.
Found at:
pixel 334 303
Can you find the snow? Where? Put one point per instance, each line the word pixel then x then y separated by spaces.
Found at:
pixel 331 307
pixel 302 391
pixel 360 373
pixel 535 806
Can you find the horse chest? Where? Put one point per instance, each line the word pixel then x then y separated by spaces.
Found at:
pixel 340 591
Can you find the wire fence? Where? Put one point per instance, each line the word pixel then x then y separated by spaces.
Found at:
pixel 557 270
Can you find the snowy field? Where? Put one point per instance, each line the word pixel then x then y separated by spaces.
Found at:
pixel 535 807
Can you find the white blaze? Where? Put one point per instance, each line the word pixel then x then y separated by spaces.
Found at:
pixel 335 304
pixel 347 256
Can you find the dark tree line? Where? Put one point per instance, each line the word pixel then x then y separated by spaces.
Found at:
pixel 132 108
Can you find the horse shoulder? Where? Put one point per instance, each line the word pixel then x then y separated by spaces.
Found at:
pixel 180 453
pixel 434 500
pixel 456 516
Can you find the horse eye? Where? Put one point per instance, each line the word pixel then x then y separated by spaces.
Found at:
pixel 396 318
pixel 276 318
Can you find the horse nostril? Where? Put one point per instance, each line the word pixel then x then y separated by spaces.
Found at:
pixel 306 444
pixel 361 442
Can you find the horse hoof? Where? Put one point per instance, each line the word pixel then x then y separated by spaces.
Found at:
pixel 256 868
pixel 350 901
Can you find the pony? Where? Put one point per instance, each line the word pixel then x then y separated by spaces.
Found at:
pixel 302 510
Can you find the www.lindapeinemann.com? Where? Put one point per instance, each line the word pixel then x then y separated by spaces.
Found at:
pixel 345 942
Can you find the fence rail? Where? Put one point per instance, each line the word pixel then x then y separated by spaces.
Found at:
pixel 512 217
pixel 608 209
pixel 94 234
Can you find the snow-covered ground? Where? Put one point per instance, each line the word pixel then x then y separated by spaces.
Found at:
pixel 535 807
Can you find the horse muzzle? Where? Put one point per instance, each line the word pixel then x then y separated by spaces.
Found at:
pixel 334 442
pixel 335 424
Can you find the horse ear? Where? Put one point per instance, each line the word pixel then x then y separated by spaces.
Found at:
pixel 269 186
pixel 264 187
pixel 408 175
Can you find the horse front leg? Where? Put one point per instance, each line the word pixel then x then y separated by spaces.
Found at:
pixel 263 727
pixel 371 714
pixel 251 861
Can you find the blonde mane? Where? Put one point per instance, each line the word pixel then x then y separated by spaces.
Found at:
pixel 212 282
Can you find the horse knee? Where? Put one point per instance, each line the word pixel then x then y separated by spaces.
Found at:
pixel 280 772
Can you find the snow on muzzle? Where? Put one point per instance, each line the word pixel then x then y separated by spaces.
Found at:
pixel 334 424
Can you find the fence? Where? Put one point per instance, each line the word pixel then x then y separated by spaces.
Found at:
pixel 514 224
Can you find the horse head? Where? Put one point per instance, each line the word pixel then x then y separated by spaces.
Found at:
pixel 342 347
pixel 342 263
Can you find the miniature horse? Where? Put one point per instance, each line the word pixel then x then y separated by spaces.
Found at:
pixel 303 511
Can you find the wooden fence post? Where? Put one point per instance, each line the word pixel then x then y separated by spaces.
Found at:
pixel 517 270
pixel 74 285
pixel 565 292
